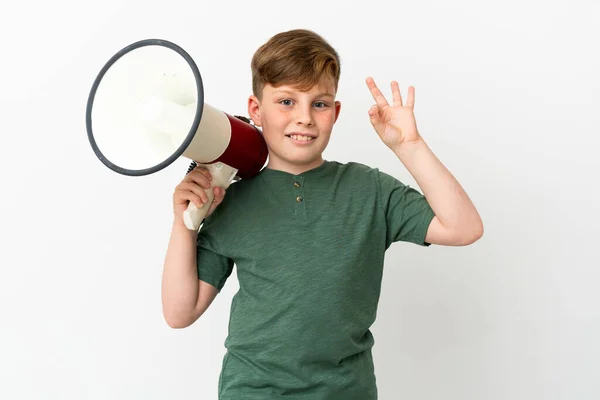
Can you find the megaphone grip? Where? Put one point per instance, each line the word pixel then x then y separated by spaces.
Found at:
pixel 193 216
pixel 222 175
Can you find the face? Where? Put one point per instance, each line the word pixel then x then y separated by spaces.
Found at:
pixel 296 124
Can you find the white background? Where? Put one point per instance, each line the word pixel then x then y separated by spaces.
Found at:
pixel 506 96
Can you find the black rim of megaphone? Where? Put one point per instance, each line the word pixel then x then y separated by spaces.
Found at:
pixel 195 124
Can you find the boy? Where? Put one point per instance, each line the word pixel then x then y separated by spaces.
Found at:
pixel 308 236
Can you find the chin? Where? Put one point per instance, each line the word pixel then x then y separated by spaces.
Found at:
pixel 305 155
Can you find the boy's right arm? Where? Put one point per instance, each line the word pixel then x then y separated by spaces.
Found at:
pixel 184 297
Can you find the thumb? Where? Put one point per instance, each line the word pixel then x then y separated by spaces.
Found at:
pixel 218 199
pixel 219 195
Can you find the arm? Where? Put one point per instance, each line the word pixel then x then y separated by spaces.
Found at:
pixel 457 222
pixel 184 297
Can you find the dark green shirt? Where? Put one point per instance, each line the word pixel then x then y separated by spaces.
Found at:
pixel 309 251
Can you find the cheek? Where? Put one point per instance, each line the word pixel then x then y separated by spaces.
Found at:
pixel 326 118
pixel 275 119
pixel 273 126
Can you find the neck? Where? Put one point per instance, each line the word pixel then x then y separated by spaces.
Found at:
pixel 295 169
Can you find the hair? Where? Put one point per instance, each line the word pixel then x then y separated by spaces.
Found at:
pixel 300 58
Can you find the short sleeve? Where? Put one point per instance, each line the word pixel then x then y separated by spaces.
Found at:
pixel 407 212
pixel 213 267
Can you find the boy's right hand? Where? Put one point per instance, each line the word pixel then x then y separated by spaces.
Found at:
pixel 192 189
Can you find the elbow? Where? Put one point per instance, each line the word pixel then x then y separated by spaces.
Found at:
pixel 177 320
pixel 177 323
pixel 473 234
pixel 480 231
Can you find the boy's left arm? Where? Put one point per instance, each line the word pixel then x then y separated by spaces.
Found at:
pixel 456 221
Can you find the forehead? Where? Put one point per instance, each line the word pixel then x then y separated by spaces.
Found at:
pixel 322 89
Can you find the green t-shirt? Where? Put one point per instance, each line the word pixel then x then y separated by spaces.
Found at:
pixel 309 251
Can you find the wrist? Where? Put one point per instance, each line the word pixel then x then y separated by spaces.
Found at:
pixel 179 225
pixel 408 149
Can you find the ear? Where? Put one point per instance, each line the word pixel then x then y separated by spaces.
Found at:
pixel 254 110
pixel 338 108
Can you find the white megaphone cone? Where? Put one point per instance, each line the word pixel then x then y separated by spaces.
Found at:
pixel 146 109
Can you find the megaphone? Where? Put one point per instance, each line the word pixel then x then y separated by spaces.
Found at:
pixel 146 109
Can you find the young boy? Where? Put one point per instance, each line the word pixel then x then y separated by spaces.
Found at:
pixel 308 236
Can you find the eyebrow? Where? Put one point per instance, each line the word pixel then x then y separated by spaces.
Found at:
pixel 324 94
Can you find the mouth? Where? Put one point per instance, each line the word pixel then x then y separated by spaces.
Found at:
pixel 301 137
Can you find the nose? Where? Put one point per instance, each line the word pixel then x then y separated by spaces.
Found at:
pixel 304 116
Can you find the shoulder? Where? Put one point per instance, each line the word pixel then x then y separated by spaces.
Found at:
pixel 364 175
pixel 355 169
pixel 351 166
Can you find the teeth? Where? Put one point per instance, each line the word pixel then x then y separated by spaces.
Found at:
pixel 301 138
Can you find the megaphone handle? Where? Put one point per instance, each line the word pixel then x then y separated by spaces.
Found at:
pixel 193 216
pixel 222 175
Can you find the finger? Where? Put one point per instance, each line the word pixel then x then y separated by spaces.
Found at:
pixel 199 178
pixel 219 195
pixel 396 94
pixel 204 171
pixel 196 200
pixel 200 171
pixel 194 188
pixel 219 192
pixel 374 111
pixel 410 102
pixel 186 196
pixel 377 95
pixel 375 117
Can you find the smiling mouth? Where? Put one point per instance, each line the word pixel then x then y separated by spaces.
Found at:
pixel 301 138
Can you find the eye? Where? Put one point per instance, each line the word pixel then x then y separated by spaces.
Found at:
pixel 286 102
pixel 320 104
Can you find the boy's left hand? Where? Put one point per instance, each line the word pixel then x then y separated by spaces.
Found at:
pixel 396 124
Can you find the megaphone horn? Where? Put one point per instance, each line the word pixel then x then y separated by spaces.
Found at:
pixel 146 109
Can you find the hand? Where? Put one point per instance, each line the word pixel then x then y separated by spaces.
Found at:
pixel 395 125
pixel 191 189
